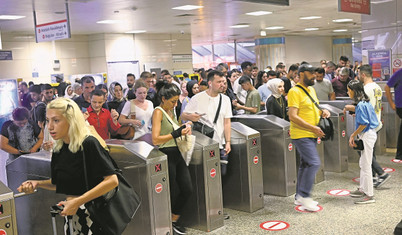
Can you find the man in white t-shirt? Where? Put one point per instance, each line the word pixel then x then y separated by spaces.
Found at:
pixel 374 92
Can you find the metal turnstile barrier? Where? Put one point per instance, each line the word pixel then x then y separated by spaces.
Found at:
pixel 204 210
pixel 8 221
pixel 392 123
pixel 243 187
pixel 353 155
pixel 136 159
pixel 336 150
pixel 277 153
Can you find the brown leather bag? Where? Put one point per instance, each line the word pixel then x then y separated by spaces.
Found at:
pixel 127 131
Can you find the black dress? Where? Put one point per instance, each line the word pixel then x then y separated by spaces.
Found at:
pixel 277 107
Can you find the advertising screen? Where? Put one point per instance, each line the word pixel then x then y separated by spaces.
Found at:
pixel 8 99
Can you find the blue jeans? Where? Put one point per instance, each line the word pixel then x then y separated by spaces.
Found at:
pixel 309 165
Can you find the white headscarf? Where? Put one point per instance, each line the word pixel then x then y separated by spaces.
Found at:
pixel 66 93
pixel 273 86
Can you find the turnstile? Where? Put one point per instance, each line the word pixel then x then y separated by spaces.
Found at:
pixel 243 187
pixel 336 150
pixel 204 210
pixel 353 155
pixel 278 154
pixel 8 222
pixel 392 123
pixel 138 161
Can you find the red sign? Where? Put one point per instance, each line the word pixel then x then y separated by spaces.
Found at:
pixel 343 133
pixel 158 188
pixel 318 140
pixel 290 147
pixel 254 142
pixel 342 118
pixel 354 6
pixel 212 153
pixel 3 232
pixel 255 159
pixel 338 192
pixel 212 173
pixel 274 225
pixel 388 170
pixel 302 209
pixel 396 160
pixel 158 167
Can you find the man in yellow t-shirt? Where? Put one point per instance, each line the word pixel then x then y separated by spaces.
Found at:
pixel 304 117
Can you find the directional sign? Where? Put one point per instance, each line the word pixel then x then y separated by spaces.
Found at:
pixel 212 173
pixel 388 170
pixel 158 187
pixel 274 225
pixel 3 232
pixel 302 209
pixel 396 160
pixel 318 140
pixel 290 147
pixel 343 133
pixel 255 159
pixel 52 31
pixel 338 192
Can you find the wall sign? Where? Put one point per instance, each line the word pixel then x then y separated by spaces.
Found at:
pixel 52 31
pixel 380 61
pixel 6 55
pixel 354 6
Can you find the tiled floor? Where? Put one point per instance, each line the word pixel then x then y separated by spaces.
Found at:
pixel 339 215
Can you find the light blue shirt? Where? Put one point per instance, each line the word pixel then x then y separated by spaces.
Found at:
pixel 365 115
pixel 264 92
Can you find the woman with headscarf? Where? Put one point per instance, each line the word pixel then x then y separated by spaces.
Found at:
pixel 276 104
pixel 69 93
pixel 118 101
pixel 192 88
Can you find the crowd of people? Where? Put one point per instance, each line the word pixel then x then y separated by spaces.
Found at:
pixel 150 103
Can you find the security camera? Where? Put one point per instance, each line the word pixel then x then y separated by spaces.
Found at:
pixel 182 31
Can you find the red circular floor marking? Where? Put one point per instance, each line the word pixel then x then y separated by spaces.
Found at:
pixel 338 192
pixel 274 225
pixel 396 160
pixel 388 170
pixel 298 208
pixel 356 179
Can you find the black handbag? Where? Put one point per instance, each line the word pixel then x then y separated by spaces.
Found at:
pixel 360 145
pixel 115 209
pixel 325 124
pixel 205 129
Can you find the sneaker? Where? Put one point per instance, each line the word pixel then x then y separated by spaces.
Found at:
pixel 357 193
pixel 382 180
pixel 178 229
pixel 308 204
pixel 365 200
pixel 226 216
pixel 298 203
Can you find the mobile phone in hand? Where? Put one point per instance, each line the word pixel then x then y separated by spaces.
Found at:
pixel 201 114
pixel 83 109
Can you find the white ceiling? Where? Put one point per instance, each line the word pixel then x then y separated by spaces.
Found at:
pixel 211 23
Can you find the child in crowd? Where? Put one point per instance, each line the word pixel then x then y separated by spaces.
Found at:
pixel 366 122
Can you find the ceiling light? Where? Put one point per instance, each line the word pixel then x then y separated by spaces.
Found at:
pixel 187 7
pixel 259 13
pixel 274 27
pixel 238 26
pixel 311 29
pixel 11 17
pixel 342 20
pixel 310 17
pixel 136 31
pixel 382 1
pixel 107 22
pixel 263 33
pixel 339 30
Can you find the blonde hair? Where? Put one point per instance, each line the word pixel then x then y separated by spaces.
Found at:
pixel 78 130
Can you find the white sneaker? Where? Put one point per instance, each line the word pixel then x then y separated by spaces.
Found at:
pixel 298 203
pixel 308 204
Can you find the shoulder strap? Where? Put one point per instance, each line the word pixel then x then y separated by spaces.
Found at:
pixel 315 102
pixel 219 109
pixel 168 117
pixel 132 107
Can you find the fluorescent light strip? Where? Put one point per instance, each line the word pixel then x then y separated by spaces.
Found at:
pixel 239 26
pixel 136 31
pixel 187 7
pixel 274 27
pixel 259 13
pixel 11 17
pixel 339 30
pixel 383 1
pixel 311 29
pixel 107 22
pixel 310 17
pixel 342 20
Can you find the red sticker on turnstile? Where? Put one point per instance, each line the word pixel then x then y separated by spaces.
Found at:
pixel 343 133
pixel 158 187
pixel 255 159
pixel 318 140
pixel 342 118
pixel 254 142
pixel 158 167
pixel 212 173
pixel 212 153
pixel 274 225
pixel 290 147
pixel 3 232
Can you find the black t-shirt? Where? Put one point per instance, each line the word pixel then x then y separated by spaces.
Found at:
pixel 277 107
pixel 82 103
pixel 21 138
pixel 39 113
pixel 287 84
pixel 117 105
pixel 67 168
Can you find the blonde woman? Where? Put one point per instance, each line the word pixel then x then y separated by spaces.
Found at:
pixel 72 138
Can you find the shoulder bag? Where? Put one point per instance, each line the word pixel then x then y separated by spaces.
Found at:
pixel 127 131
pixel 205 129
pixel 115 209
pixel 325 123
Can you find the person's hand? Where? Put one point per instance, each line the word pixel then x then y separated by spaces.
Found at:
pixel 318 132
pixel 186 130
pixel 70 207
pixel 86 115
pixel 352 141
pixel 114 114
pixel 33 150
pixel 28 186
pixel 47 145
pixel 227 148
pixel 392 106
pixel 344 111
pixel 325 113
pixel 136 123
pixel 195 117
